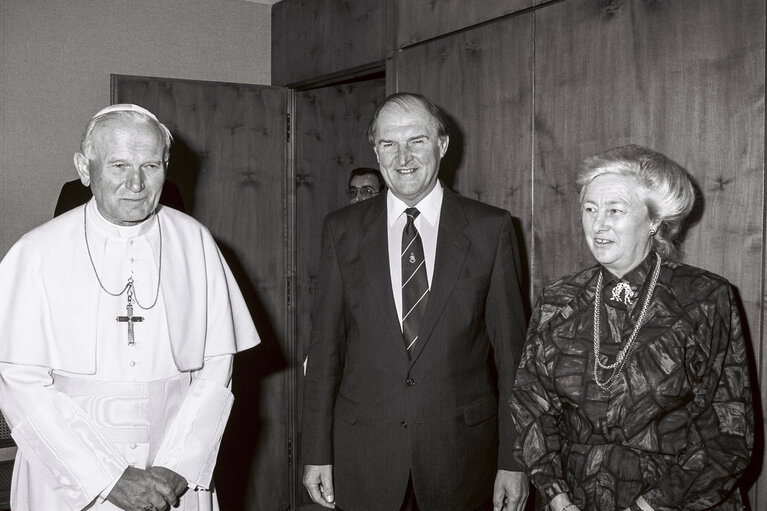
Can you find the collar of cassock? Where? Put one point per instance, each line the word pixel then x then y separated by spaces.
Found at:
pixel 624 292
pixel 106 228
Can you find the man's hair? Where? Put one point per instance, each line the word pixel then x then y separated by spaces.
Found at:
pixel 368 171
pixel 137 117
pixel 407 101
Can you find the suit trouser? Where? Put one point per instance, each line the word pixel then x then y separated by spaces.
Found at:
pixel 409 502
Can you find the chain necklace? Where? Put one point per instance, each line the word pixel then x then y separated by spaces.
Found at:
pixel 620 359
pixel 129 286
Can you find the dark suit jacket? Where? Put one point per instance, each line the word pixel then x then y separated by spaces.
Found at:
pixel 74 194
pixel 379 416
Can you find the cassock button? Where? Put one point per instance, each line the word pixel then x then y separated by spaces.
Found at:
pixel 403 424
pixel 411 381
pixel 132 363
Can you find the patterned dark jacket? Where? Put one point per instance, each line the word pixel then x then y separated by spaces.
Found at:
pixel 677 425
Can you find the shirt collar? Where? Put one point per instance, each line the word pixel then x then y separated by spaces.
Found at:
pixel 109 229
pixel 428 207
pixel 636 277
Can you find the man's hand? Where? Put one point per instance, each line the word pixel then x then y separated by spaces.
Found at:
pixel 318 481
pixel 177 482
pixel 510 491
pixel 137 489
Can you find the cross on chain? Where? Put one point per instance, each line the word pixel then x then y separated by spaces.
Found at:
pixel 129 317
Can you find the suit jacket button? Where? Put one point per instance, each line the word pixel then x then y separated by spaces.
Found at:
pixel 403 424
pixel 410 381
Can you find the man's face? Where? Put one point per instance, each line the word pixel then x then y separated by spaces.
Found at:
pixel 409 151
pixel 366 187
pixel 126 172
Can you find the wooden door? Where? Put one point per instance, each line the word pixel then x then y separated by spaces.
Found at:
pixel 312 38
pixel 229 161
pixel 329 130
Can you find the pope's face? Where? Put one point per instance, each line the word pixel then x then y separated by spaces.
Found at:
pixel 409 150
pixel 126 172
pixel 616 223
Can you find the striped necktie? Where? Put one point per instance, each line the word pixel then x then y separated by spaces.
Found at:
pixel 415 282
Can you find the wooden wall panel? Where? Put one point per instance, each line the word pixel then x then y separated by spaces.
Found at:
pixel 330 141
pixel 321 37
pixel 228 159
pixel 669 75
pixel 483 79
pixel 419 20
pixel 684 77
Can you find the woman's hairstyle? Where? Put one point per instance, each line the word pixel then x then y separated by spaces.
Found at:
pixel 137 117
pixel 408 101
pixel 664 186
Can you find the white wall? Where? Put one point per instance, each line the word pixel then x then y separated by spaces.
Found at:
pixel 55 62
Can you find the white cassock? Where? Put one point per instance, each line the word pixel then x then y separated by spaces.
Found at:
pixel 82 403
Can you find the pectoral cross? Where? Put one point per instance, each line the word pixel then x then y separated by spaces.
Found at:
pixel 129 317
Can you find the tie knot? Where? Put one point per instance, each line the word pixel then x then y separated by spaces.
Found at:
pixel 412 214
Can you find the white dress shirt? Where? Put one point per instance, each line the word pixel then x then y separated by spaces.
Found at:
pixel 427 224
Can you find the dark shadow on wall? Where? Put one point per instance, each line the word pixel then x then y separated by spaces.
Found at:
pixel 244 435
pixel 451 162
pixel 183 169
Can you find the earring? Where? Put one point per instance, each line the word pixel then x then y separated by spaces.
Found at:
pixel 652 232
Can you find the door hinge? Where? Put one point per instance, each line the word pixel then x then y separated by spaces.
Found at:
pixel 289 289
pixel 290 452
pixel 287 134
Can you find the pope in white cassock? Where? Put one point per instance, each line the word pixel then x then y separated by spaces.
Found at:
pixel 118 325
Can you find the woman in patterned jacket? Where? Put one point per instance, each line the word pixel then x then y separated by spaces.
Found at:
pixel 633 389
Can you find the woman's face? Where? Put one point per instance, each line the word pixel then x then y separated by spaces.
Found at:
pixel 616 223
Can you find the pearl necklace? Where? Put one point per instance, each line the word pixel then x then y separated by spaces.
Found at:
pixel 620 360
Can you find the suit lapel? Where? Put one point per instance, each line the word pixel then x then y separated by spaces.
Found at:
pixel 374 251
pixel 452 248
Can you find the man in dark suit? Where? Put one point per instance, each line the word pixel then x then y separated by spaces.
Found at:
pixel 417 328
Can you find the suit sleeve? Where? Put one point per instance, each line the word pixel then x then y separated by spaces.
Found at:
pixel 505 318
pixel 325 357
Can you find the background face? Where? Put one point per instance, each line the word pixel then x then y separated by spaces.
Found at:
pixel 409 151
pixel 359 182
pixel 127 171
pixel 616 223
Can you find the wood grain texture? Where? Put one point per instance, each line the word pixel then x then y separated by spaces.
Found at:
pixel 483 79
pixel 419 20
pixel 668 75
pixel 320 37
pixel 228 160
pixel 330 141
pixel 684 77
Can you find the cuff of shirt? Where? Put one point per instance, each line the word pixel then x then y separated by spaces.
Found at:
pixel 643 505
pixel 105 493
pixel 640 504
